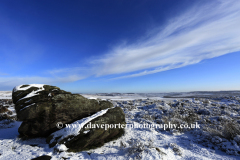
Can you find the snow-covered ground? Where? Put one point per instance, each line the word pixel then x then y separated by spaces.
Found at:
pixel 5 94
pixel 147 143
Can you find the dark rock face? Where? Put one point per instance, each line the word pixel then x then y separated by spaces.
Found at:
pixel 40 107
pixel 94 133
pixel 45 157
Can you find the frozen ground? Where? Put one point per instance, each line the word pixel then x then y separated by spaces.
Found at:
pixel 217 113
pixel 5 94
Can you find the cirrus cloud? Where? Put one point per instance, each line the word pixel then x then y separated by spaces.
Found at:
pixel 203 32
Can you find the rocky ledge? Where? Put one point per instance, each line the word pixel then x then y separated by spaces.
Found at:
pixel 41 107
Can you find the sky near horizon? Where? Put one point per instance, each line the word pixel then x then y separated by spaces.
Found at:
pixel 121 46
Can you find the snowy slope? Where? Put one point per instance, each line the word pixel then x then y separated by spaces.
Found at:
pixel 5 94
pixel 137 143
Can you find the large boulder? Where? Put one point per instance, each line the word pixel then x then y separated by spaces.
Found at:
pixel 90 132
pixel 41 107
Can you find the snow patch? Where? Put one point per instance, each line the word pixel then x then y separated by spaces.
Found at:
pixel 18 88
pixel 61 148
pixel 85 132
pixel 27 106
pixel 74 128
pixel 33 93
pixel 5 95
pixel 92 98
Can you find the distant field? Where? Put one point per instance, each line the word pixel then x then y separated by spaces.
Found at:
pixel 5 94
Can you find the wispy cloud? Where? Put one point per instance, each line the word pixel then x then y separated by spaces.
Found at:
pixel 69 71
pixel 53 77
pixel 9 82
pixel 203 32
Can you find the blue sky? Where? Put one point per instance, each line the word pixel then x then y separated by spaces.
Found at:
pixel 121 46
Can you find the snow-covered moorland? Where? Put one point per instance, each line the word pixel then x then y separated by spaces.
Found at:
pixel 216 113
